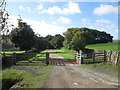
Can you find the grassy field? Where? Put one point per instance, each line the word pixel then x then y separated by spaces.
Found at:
pixel 30 75
pixel 105 46
pixel 67 54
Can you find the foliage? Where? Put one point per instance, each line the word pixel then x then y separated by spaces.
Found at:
pixel 57 41
pixel 105 46
pixel 22 36
pixel 78 38
pixel 49 38
pixel 40 43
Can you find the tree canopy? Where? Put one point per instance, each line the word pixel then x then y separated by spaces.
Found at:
pixel 55 41
pixel 40 43
pixel 78 38
pixel 23 36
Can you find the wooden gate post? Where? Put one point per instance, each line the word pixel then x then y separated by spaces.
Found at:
pixel 79 58
pixel 47 58
pixel 104 56
pixel 14 58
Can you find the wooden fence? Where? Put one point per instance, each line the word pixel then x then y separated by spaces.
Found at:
pixel 11 59
pixel 99 56
pixel 90 58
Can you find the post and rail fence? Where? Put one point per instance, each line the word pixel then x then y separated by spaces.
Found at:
pixel 86 58
pixel 12 59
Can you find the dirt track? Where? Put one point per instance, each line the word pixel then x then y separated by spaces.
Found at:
pixel 74 76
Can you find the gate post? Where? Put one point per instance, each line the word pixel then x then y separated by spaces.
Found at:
pixel 104 56
pixel 79 58
pixel 47 58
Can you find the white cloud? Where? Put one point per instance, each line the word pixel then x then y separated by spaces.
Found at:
pixel 40 7
pixel 105 9
pixel 63 20
pixel 51 1
pixel 84 20
pixel 70 9
pixel 100 24
pixel 41 27
pixel 103 21
pixel 25 8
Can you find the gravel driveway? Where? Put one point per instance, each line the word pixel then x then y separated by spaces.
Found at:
pixel 74 76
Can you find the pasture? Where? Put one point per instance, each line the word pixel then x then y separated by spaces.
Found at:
pixel 105 46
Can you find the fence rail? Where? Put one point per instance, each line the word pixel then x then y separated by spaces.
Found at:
pixel 11 59
pixel 95 57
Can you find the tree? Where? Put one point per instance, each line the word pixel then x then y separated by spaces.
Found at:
pixel 78 38
pixel 48 38
pixel 23 36
pixel 40 43
pixel 100 37
pixel 57 41
pixel 79 41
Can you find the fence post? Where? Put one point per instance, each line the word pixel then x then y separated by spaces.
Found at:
pixel 47 58
pixel 81 59
pixel 94 57
pixel 104 56
pixel 75 56
pixel 14 58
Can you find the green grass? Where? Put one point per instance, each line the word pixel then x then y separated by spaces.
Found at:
pixel 67 54
pixel 105 46
pixel 113 68
pixel 10 52
pixel 37 58
pixel 28 80
pixel 45 51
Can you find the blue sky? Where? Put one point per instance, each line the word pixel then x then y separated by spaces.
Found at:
pixel 55 17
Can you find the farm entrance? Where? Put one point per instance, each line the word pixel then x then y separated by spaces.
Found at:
pixel 56 59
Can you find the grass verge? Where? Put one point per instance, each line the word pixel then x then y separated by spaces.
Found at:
pixel 29 79
pixel 109 66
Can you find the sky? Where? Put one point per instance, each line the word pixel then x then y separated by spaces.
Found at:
pixel 56 17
